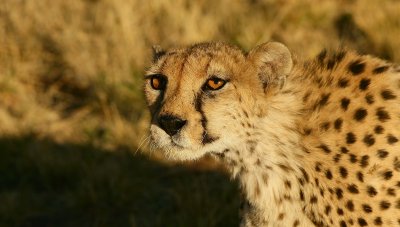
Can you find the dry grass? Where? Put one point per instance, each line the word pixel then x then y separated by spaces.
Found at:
pixel 71 73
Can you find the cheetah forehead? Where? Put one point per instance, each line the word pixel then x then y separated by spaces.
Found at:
pixel 212 56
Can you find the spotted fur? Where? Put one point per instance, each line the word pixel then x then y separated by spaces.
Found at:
pixel 316 143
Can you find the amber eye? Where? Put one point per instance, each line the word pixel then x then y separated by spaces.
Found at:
pixel 215 83
pixel 157 82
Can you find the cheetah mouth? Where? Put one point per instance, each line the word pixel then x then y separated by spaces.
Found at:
pixel 176 144
pixel 180 147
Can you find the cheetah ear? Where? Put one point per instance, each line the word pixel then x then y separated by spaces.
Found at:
pixel 158 52
pixel 273 62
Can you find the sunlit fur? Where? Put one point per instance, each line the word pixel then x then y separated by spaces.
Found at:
pixel 283 130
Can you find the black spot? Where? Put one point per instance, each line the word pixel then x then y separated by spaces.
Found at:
pixel 350 138
pixel 321 57
pixel 315 222
pixel 362 222
pixel 378 129
pixel 339 56
pixel 337 157
pixel 328 174
pixel 343 171
pixel 391 192
pixel 345 103
pixel 382 114
pixel 371 191
pixel 388 95
pixel 338 123
pixel 285 167
pixel 384 205
pixel 288 184
pixel 331 64
pixel 301 195
pixel 382 153
pixel 360 114
pixel 324 99
pixel 325 126
pixel 380 69
pixel 378 221
pixel 343 83
pixel 369 140
pixel 364 83
pixel 356 67
pixel 318 167
pixel 387 175
pixel 367 208
pixel 353 158
pixel 207 138
pixel 339 193
pixel 350 205
pixel 353 189
pixel 327 209
pixel 369 99
pixel 313 199
pixel 344 150
pixel 391 139
pixel 306 96
pixel 364 161
pixel 340 211
pixel 396 164
pixel 325 148
pixel 343 223
pixel 360 176
pixel 305 175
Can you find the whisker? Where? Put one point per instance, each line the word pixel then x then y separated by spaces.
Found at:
pixel 142 143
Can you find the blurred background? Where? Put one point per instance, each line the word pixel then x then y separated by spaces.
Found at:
pixel 73 121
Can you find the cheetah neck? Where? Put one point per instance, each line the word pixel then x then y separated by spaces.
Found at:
pixel 269 167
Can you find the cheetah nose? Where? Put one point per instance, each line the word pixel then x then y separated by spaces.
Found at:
pixel 171 124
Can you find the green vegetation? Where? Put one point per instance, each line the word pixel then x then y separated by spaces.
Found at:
pixel 72 112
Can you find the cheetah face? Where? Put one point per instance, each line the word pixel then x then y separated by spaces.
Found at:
pixel 201 97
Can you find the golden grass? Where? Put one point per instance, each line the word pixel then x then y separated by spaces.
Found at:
pixel 71 71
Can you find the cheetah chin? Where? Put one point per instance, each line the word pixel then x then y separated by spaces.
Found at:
pixel 181 148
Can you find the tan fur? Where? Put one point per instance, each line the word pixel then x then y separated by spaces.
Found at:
pixel 313 144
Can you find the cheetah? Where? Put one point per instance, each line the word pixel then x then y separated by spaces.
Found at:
pixel 312 143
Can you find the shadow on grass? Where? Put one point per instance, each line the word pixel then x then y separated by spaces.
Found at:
pixel 48 184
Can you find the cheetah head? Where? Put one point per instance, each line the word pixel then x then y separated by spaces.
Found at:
pixel 202 98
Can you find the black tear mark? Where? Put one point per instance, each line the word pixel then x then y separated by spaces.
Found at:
pixel 206 137
pixel 156 106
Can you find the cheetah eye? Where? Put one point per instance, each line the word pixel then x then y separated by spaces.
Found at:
pixel 215 83
pixel 158 82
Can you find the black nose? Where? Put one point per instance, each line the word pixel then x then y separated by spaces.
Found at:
pixel 171 124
